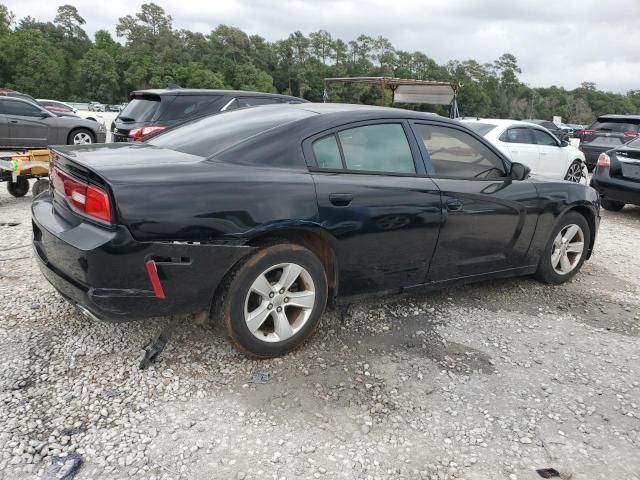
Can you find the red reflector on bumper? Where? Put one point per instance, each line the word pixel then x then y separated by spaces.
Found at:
pixel 152 270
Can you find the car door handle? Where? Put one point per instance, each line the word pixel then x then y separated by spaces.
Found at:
pixel 13 121
pixel 340 199
pixel 455 205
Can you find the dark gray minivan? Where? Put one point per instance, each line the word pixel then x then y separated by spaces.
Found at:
pixel 150 111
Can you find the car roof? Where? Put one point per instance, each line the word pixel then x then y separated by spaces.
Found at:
pixel 500 122
pixel 4 98
pixel 204 91
pixel 610 116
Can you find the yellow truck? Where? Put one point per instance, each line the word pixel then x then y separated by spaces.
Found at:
pixel 16 168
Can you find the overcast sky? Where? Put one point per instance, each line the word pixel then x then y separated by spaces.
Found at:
pixel 559 43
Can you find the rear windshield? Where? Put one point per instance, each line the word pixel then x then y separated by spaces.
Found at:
pixel 480 128
pixel 140 109
pixel 634 143
pixel 209 135
pixel 617 126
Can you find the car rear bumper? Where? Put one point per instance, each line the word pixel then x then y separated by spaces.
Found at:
pixel 618 189
pixel 104 273
pixel 591 154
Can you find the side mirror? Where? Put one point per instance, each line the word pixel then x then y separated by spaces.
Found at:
pixel 564 143
pixel 519 171
pixel 44 114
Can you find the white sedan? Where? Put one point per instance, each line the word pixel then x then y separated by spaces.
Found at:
pixel 533 146
pixel 56 106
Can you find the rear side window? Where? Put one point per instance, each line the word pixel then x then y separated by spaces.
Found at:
pixel 210 135
pixel 543 138
pixel 517 135
pixel 327 153
pixel 454 153
pixel 377 148
pixel 182 107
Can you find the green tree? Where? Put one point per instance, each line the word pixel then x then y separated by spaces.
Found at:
pixel 96 75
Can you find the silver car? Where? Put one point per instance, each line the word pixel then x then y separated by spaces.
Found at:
pixel 26 125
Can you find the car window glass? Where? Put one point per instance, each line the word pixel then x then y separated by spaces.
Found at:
pixel 517 135
pixel 543 138
pixel 618 127
pixel 480 128
pixel 327 152
pixel 255 101
pixel 377 148
pixel 231 105
pixel 20 108
pixel 455 153
pixel 186 106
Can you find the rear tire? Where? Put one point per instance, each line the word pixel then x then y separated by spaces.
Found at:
pixel 575 172
pixel 273 301
pixel 20 188
pixel 566 250
pixel 612 205
pixel 40 186
pixel 81 136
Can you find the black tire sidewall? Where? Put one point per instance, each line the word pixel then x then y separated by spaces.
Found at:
pixel 75 131
pixel 545 269
pixel 244 278
pixel 611 205
pixel 20 188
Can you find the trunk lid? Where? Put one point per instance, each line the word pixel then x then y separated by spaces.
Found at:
pixel 628 164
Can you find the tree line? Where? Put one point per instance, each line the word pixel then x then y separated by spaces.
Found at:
pixel 57 59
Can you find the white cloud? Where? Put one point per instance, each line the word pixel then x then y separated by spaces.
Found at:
pixel 556 43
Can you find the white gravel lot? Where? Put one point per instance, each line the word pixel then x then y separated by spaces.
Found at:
pixel 492 380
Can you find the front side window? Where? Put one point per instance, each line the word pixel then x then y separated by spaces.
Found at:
pixel 377 148
pixel 543 138
pixel 23 109
pixel 455 153
pixel 517 135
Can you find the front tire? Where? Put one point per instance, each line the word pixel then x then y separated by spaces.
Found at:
pixel 20 188
pixel 611 205
pixel 566 250
pixel 81 136
pixel 273 301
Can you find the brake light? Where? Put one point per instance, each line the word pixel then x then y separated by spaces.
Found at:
pixel 89 199
pixel 588 132
pixel 603 160
pixel 630 134
pixel 141 132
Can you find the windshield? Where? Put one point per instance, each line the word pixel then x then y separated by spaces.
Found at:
pixel 209 135
pixel 634 143
pixel 140 109
pixel 480 128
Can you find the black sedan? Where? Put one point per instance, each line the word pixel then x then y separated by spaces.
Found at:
pixel 617 176
pixel 262 216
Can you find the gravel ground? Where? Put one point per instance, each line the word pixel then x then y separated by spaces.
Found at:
pixel 492 380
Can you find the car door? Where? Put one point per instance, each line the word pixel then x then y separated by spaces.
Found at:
pixel 4 126
pixel 553 158
pixel 521 146
pixel 29 125
pixel 488 219
pixel 375 199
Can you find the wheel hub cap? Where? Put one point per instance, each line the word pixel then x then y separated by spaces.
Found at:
pixel 567 250
pixel 280 302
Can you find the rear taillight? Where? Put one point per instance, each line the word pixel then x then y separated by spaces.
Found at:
pixel 603 160
pixel 87 198
pixel 141 132
pixel 630 134
pixel 588 132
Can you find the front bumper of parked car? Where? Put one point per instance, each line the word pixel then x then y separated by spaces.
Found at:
pixel 105 273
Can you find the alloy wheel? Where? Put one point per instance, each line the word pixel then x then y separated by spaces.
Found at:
pixel 575 173
pixel 567 249
pixel 280 302
pixel 82 138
